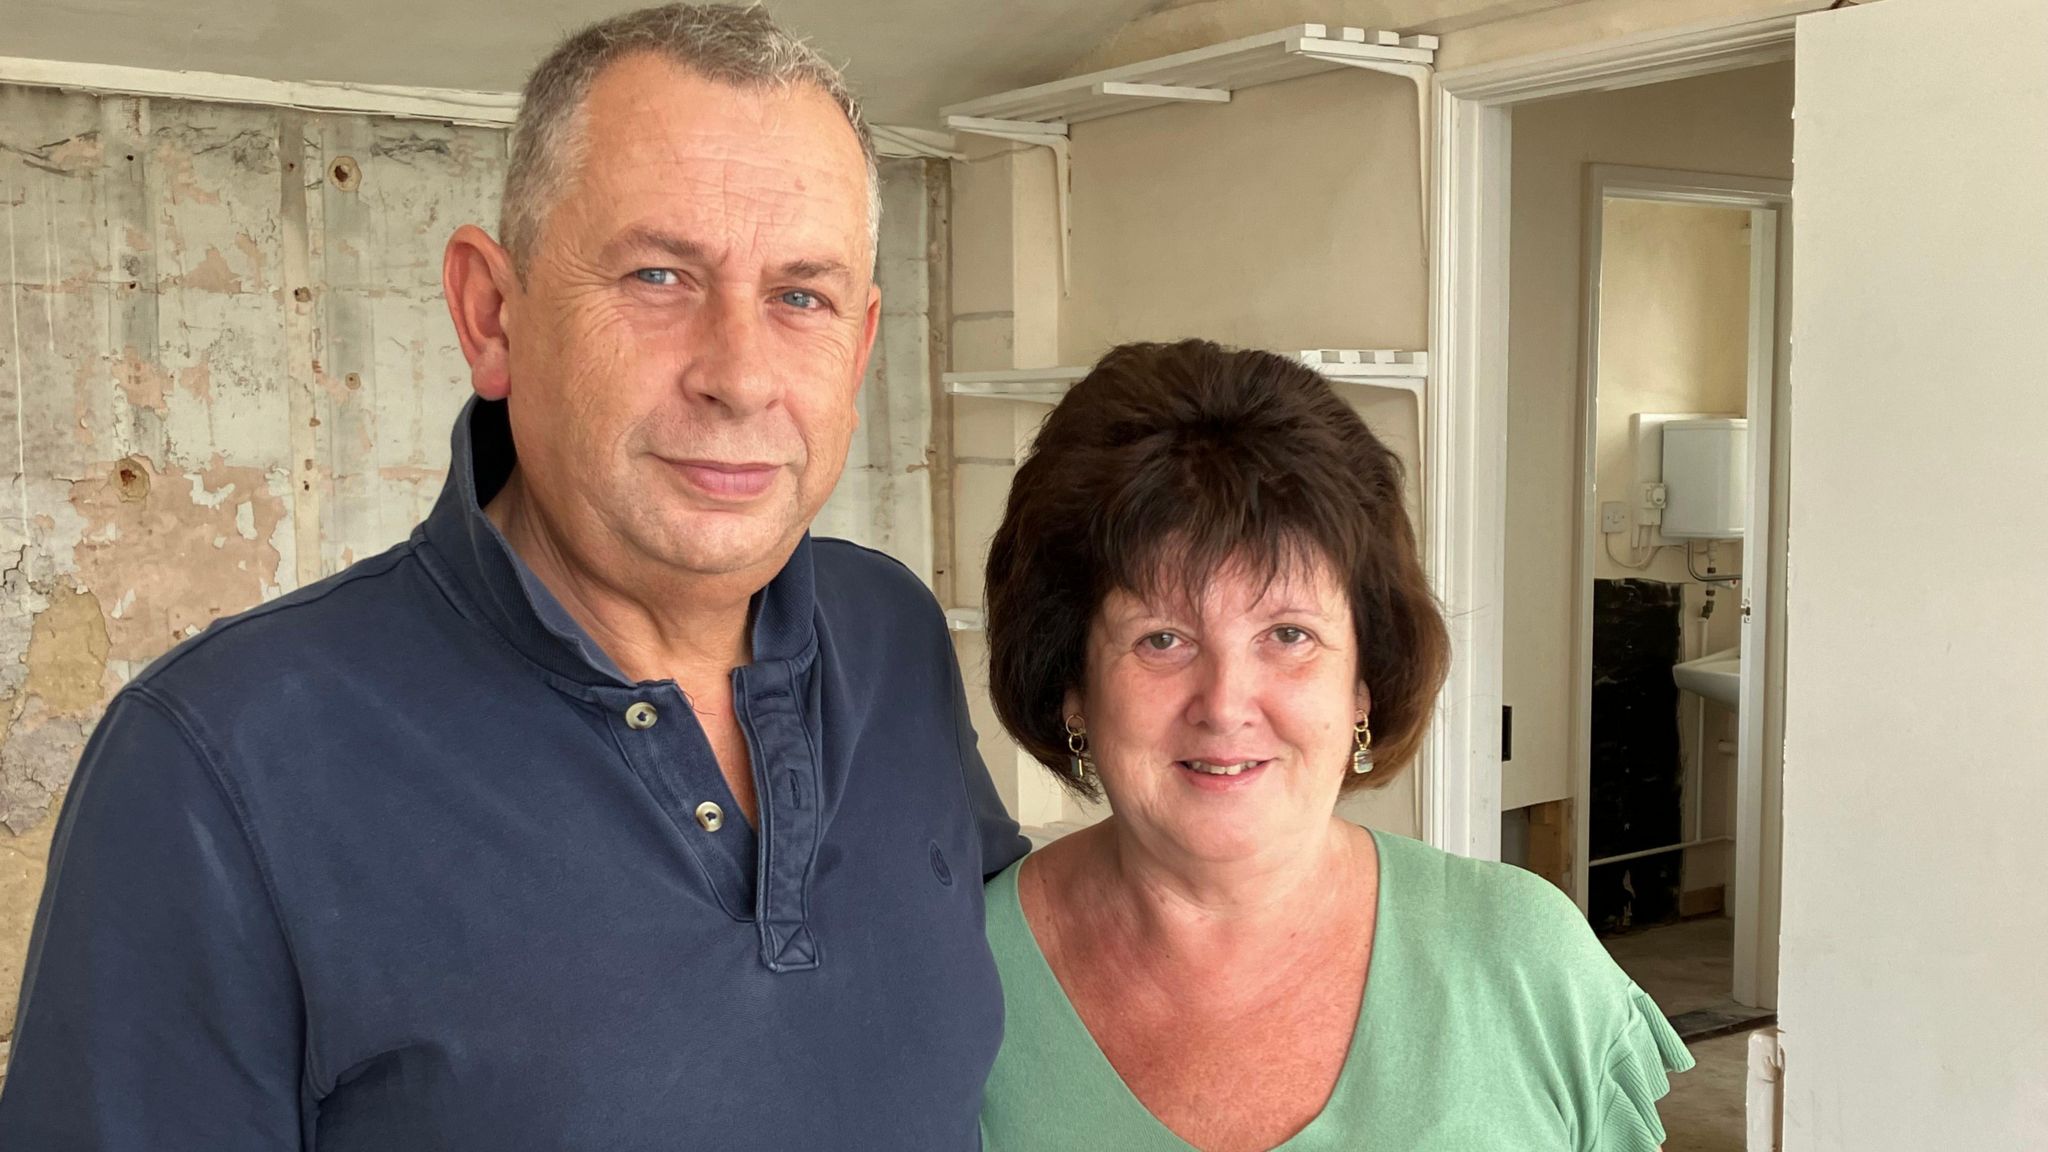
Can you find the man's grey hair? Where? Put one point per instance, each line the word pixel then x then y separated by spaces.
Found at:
pixel 737 45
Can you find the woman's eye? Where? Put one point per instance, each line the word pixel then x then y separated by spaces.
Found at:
pixel 1289 635
pixel 660 277
pixel 1160 642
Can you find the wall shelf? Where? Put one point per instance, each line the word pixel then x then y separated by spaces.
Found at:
pixel 964 619
pixel 1042 114
pixel 1204 74
pixel 1372 367
pixel 1043 385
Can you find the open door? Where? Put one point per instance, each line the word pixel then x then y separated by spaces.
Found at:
pixel 1916 718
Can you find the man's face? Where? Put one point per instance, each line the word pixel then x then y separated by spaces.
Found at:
pixel 695 321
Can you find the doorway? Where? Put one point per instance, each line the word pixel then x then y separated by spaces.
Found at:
pixel 1633 153
pixel 1680 342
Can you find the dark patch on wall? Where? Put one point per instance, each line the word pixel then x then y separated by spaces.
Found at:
pixel 1638 785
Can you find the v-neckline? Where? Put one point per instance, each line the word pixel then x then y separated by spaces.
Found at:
pixel 1347 1075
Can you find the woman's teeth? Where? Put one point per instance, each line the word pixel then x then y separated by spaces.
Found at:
pixel 1209 769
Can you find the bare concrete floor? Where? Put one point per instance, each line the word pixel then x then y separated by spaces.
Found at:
pixel 1687 967
pixel 1684 967
pixel 1704 1112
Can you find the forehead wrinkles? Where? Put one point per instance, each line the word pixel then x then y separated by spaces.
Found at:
pixel 730 194
pixel 645 112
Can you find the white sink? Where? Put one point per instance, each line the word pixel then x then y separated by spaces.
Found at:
pixel 1717 676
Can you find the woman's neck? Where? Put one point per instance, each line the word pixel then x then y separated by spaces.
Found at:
pixel 1258 915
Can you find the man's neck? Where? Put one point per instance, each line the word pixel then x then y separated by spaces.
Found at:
pixel 654 622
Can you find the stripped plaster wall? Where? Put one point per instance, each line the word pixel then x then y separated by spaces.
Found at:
pixel 226 370
pixel 884 498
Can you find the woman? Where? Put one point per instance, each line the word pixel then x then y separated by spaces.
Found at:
pixel 1204 603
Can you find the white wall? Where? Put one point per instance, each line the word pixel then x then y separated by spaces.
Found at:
pixel 1289 218
pixel 1736 123
pixel 1915 925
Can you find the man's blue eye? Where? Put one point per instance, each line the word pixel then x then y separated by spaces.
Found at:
pixel 663 277
pixel 801 299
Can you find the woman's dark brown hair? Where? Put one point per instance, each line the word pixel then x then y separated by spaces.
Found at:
pixel 1170 461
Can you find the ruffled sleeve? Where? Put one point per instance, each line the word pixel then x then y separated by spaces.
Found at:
pixel 1637 1076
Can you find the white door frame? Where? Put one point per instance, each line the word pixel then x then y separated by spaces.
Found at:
pixel 1467 417
pixel 1768 203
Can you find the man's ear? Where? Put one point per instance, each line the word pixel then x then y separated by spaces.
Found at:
pixel 480 283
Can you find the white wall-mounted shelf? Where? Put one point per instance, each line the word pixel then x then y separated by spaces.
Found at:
pixel 965 619
pixel 1204 74
pixel 1045 385
pixel 1372 367
pixel 1041 114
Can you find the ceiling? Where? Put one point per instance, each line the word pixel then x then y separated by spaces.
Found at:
pixel 905 57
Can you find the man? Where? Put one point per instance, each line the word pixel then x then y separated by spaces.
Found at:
pixel 610 811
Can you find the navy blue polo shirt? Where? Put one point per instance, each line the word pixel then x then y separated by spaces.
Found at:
pixel 402 862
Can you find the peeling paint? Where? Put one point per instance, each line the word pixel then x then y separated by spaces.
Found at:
pixel 71 156
pixel 67 653
pixel 254 254
pixel 211 275
pixel 153 391
pixel 36 761
pixel 22 867
pixel 197 380
pixel 142 381
pixel 410 474
pixel 155 555
pixel 174 165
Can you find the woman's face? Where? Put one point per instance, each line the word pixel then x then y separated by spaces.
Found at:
pixel 1222 730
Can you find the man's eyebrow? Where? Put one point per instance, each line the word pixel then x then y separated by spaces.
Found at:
pixel 642 238
pixel 815 269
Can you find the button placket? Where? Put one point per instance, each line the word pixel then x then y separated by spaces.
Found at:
pixel 778 737
pixel 640 716
pixel 669 751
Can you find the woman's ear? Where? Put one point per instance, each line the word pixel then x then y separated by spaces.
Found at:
pixel 1070 705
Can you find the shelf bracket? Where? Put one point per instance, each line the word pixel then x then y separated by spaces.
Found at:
pixel 1050 135
pixel 1417 74
pixel 897 142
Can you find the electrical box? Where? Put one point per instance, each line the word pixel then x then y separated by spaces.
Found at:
pixel 1706 479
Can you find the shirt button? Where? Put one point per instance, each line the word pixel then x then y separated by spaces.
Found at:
pixel 710 816
pixel 640 716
